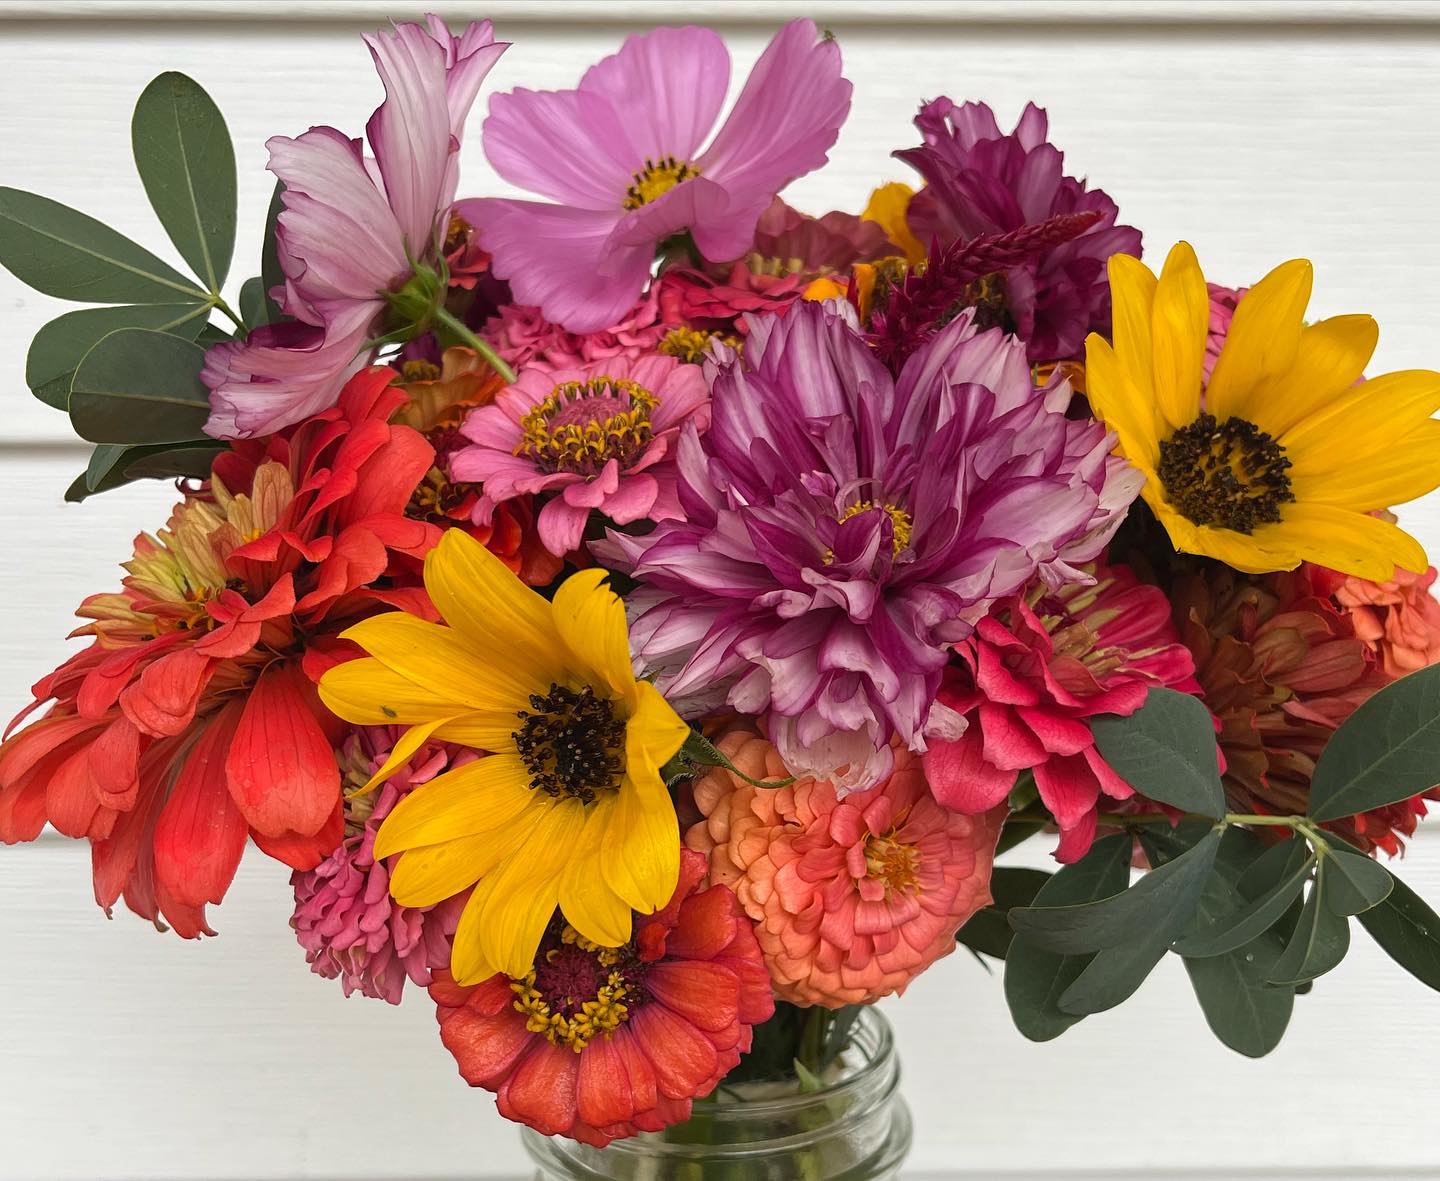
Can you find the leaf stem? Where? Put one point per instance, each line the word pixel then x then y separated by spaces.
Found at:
pixel 218 301
pixel 470 340
pixel 1300 824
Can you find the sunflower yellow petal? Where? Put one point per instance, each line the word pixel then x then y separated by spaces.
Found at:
pixel 591 621
pixel 1364 421
pixel 492 730
pixel 887 208
pixel 496 613
pixel 425 876
pixel 1407 468
pixel 1262 341
pixel 1252 553
pixel 476 798
pixel 655 726
pixel 1132 298
pixel 400 754
pixel 469 953
pixel 642 840
pixel 1119 404
pixel 1331 358
pixel 1179 326
pixel 368 693
pixel 587 902
pixel 1347 541
pixel 522 893
pixel 438 661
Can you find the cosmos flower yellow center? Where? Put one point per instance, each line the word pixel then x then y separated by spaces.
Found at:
pixel 892 862
pixel 1230 474
pixel 656 179
pixel 582 425
pixel 578 991
pixel 899 518
pixel 571 743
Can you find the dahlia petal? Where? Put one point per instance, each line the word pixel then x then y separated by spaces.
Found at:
pixel 280 768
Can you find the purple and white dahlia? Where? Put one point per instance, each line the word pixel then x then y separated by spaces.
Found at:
pixel 979 180
pixel 843 527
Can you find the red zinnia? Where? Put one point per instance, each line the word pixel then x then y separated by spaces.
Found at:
pixel 1033 675
pixel 599 1043
pixel 191 721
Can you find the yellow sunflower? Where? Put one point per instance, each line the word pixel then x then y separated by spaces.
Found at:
pixel 1281 458
pixel 567 809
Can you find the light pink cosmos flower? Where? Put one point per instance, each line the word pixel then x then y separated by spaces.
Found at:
pixel 599 436
pixel 351 226
pixel 621 156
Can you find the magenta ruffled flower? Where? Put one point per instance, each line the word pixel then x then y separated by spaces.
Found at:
pixel 523 336
pixel 345 919
pixel 1223 302
pixel 621 156
pixel 843 528
pixel 351 226
pixel 1027 684
pixel 982 181
pixel 597 437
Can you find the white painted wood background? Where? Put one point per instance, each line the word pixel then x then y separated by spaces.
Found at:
pixel 1257 131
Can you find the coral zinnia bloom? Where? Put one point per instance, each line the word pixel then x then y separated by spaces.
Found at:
pixel 599 437
pixel 1398 620
pixel 599 1043
pixel 1029 681
pixel 854 898
pixel 353 228
pixel 621 153
pixel 568 809
pixel 844 527
pixel 192 720
pixel 1279 458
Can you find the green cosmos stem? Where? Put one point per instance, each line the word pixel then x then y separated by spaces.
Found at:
pixel 458 329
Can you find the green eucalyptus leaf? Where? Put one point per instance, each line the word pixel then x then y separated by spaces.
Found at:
pixel 140 386
pixel 62 252
pixel 1253 918
pixel 1016 832
pixel 1386 751
pixel 1156 907
pixel 1034 978
pixel 1166 751
pixel 167 462
pixel 988 931
pixel 58 347
pixel 187 164
pixel 1356 883
pixel 1113 975
pixel 1408 931
pixel 1321 937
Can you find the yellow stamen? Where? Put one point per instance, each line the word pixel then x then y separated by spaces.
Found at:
pixel 656 179
pixel 582 424
pixel 893 862
pixel 900 519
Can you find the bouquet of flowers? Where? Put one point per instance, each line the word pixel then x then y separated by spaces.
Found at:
pixel 640 615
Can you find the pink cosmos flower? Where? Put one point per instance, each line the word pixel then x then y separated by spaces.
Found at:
pixel 1029 681
pixel 599 436
pixel 621 156
pixel 352 228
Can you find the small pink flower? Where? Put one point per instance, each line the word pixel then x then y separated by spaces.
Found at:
pixel 344 916
pixel 523 336
pixel 851 899
pixel 1029 681
pixel 621 154
pixel 596 437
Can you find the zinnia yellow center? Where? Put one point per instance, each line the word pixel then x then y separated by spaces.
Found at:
pixel 656 179
pixel 582 425
pixel 571 743
pixel 893 862
pixel 578 991
pixel 1231 474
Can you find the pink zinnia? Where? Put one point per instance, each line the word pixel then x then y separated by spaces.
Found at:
pixel 621 154
pixel 595 437
pixel 344 917
pixel 1029 681
pixel 352 228
pixel 854 898
pixel 523 336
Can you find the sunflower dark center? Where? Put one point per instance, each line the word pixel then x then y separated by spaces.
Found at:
pixel 571 742
pixel 1231 474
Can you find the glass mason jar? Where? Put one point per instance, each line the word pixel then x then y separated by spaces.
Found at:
pixel 855 1128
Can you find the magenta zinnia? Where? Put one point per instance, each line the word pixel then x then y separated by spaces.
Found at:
pixel 845 527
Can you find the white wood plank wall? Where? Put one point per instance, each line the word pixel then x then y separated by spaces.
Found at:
pixel 1257 131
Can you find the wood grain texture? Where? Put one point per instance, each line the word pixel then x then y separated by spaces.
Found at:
pixel 1259 132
